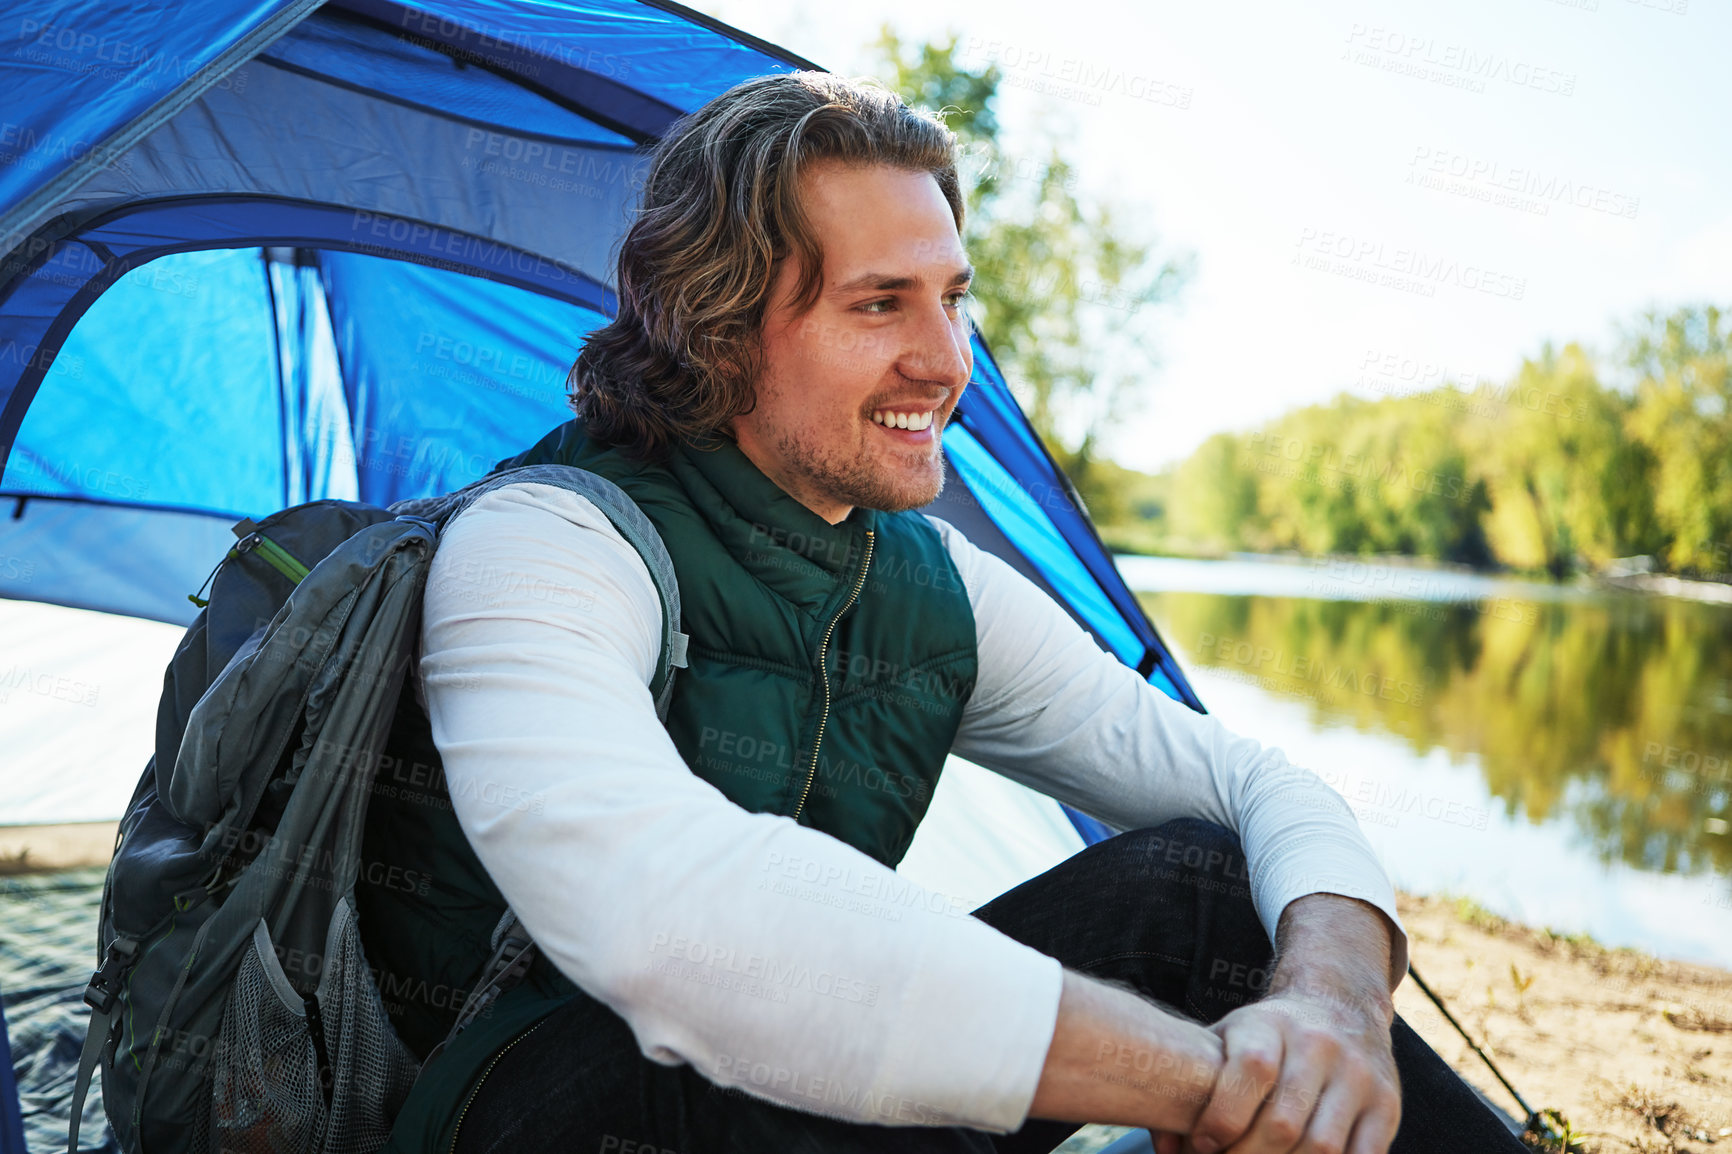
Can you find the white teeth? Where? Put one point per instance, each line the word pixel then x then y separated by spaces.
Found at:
pixel 911 421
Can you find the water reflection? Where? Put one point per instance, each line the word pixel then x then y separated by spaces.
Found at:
pixel 1613 713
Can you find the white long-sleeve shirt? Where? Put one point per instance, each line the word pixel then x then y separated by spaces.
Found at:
pixel 771 956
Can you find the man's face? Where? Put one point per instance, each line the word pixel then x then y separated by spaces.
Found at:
pixel 854 393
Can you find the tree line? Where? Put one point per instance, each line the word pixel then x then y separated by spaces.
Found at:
pixel 1574 461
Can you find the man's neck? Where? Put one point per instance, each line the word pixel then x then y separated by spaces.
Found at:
pixel 828 508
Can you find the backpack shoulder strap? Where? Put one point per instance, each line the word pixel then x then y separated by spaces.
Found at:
pixel 514 951
pixel 621 511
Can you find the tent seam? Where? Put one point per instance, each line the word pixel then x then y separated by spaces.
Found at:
pixel 73 177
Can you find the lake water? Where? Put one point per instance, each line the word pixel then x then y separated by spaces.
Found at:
pixel 1561 755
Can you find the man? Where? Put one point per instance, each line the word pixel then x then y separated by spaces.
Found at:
pixel 727 961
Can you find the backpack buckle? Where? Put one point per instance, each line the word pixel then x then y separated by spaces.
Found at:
pixel 104 984
pixel 508 966
pixel 514 953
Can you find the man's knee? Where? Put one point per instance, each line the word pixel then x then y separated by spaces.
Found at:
pixel 1186 847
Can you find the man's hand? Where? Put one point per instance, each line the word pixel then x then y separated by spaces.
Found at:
pixel 1308 1068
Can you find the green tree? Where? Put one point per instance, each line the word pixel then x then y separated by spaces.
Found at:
pixel 1683 415
pixel 1064 290
pixel 1220 506
pixel 1358 476
pixel 1567 485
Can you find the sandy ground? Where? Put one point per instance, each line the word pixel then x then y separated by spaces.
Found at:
pixel 1634 1051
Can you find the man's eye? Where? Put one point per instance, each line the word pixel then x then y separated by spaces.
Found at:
pixel 955 299
pixel 874 306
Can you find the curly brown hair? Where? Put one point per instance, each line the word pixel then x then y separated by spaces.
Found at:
pixel 720 213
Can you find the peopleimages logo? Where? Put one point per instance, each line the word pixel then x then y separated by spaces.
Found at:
pixel 1368 259
pixel 830 884
pixel 1300 669
pixel 27 680
pixel 761 975
pixel 393 235
pixel 826 1095
pixel 1516 186
pixel 1072 77
pixel 70 48
pixel 484 44
pixel 1454 65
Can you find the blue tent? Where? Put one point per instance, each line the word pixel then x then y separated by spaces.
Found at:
pixel 259 252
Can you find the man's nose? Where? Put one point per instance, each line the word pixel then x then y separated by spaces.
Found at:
pixel 938 350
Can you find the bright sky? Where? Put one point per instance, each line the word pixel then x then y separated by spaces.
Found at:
pixel 1370 139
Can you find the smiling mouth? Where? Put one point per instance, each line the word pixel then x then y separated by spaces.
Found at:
pixel 913 422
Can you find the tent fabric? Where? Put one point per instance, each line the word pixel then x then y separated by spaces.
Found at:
pixel 84 78
pixel 11 1113
pixel 563 198
pixel 1044 494
pixel 401 65
pixel 318 437
pixel 445 372
pixel 667 53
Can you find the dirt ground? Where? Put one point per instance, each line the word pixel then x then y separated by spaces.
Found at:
pixel 1635 1052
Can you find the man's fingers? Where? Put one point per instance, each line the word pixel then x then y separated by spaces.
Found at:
pixel 1254 1053
pixel 1375 1131
pixel 1332 1122
pixel 1281 1125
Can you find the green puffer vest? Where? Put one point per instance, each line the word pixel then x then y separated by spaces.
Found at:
pixel 829 667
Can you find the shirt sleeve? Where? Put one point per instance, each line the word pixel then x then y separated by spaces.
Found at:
pixel 770 956
pixel 1055 712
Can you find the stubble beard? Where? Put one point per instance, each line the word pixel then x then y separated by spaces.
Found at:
pixel 858 479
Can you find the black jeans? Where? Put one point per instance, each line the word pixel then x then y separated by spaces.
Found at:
pixel 1167 910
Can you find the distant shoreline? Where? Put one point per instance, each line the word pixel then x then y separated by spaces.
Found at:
pixel 1614 579
pixel 37 849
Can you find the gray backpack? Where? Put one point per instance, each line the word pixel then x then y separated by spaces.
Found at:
pixel 243 839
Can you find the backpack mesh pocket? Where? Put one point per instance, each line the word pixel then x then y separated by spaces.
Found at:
pixel 265 1091
pixel 374 1069
pixel 275 1088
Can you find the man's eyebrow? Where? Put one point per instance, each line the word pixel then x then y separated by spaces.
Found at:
pixel 889 282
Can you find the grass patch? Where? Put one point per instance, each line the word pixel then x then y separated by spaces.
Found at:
pixel 1668 1120
pixel 1555 1134
pixel 13 864
pixel 1470 912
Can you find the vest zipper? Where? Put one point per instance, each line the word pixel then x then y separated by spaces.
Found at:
pixel 467 1102
pixel 824 672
